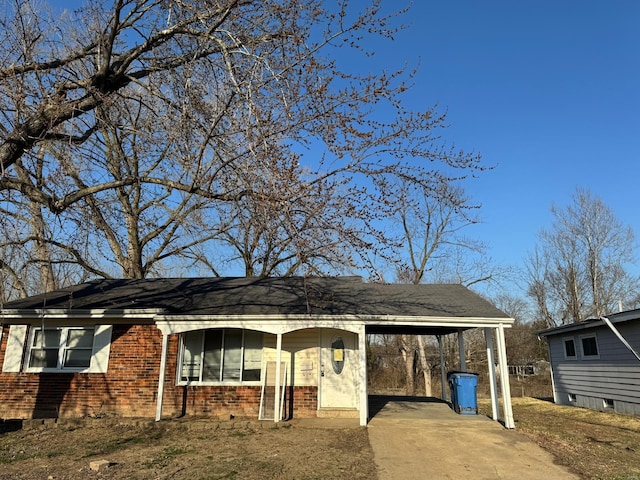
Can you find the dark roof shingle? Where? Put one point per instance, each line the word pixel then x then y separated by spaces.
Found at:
pixel 254 296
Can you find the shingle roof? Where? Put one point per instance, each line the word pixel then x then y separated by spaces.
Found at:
pixel 252 296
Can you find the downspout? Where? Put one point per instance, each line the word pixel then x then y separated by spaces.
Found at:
pixel 619 335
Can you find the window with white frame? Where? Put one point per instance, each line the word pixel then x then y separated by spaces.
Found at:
pixel 589 346
pixel 569 348
pixel 60 348
pixel 221 356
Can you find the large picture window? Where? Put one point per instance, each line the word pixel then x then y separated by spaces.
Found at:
pixel 60 348
pixel 229 355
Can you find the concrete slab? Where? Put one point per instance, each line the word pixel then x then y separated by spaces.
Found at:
pixel 424 438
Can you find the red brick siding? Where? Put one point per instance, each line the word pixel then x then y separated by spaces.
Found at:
pixel 129 388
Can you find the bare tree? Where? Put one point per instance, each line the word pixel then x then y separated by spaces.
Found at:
pixel 429 245
pixel 154 134
pixel 579 267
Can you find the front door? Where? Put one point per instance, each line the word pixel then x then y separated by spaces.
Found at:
pixel 338 370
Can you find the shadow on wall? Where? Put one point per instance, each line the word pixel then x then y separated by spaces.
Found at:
pixel 75 394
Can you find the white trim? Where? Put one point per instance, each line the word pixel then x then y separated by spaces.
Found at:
pixel 63 314
pixel 281 324
pixel 15 349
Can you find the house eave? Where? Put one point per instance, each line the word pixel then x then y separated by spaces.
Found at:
pixel 170 324
pixel 20 316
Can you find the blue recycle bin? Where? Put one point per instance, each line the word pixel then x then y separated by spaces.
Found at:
pixel 463 392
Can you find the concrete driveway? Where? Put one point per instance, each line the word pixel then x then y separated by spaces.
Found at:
pixel 424 439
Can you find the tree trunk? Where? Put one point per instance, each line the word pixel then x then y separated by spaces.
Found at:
pixel 409 357
pixel 426 367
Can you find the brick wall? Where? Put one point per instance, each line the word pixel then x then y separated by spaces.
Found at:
pixel 129 388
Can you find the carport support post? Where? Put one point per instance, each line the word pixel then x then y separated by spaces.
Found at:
pixel 504 378
pixel 493 383
pixel 463 357
pixel 276 403
pixel 443 369
pixel 362 353
pixel 163 367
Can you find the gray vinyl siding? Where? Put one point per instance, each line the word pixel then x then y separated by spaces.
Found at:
pixel 587 382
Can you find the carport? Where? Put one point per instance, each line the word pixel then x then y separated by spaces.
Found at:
pixel 493 330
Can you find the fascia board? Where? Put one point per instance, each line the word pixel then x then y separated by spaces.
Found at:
pixel 169 324
pixel 63 314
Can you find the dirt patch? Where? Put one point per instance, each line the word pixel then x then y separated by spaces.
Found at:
pixel 596 445
pixel 194 449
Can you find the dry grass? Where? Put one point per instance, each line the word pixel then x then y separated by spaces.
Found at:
pixel 193 449
pixel 604 446
pixel 596 445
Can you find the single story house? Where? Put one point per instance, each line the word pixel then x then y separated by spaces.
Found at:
pixel 593 363
pixel 269 348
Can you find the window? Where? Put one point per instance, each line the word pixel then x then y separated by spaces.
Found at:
pixel 589 346
pixel 608 403
pixel 572 397
pixel 60 348
pixel 569 348
pixel 229 355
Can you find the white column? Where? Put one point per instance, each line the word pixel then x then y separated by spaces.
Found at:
pixel 463 357
pixel 504 378
pixel 443 369
pixel 493 383
pixel 276 403
pixel 163 366
pixel 362 354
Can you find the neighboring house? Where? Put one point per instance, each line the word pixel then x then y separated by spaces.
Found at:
pixel 591 367
pixel 263 348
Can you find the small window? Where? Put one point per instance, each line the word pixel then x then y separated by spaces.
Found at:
pixel 608 403
pixel 589 346
pixel 572 397
pixel 569 348
pixel 218 356
pixel 61 348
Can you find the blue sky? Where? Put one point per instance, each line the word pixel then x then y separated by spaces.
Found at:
pixel 547 91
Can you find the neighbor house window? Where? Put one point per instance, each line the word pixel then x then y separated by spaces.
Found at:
pixel 569 348
pixel 589 346
pixel 60 348
pixel 229 355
